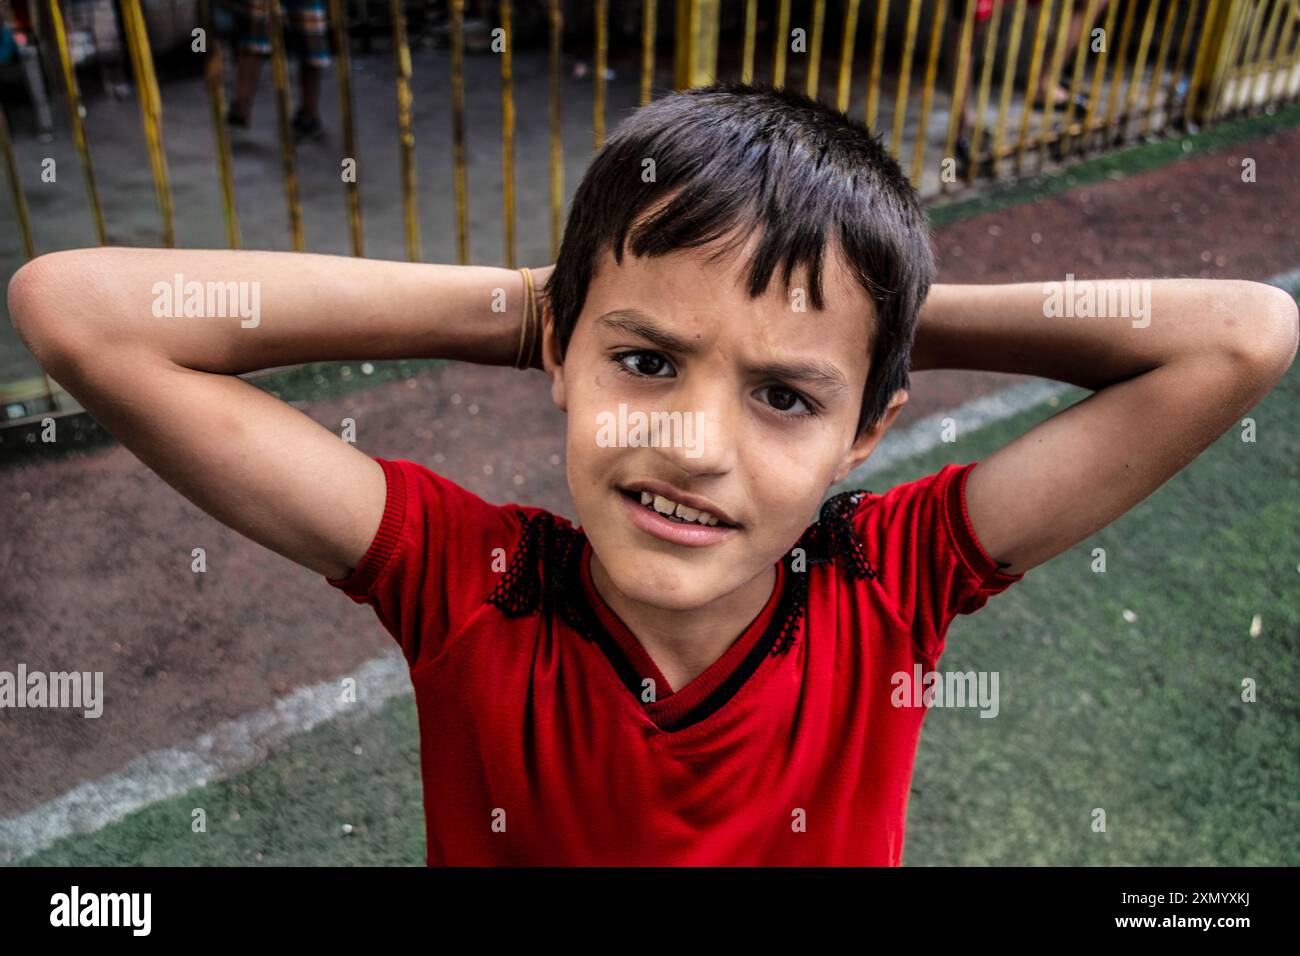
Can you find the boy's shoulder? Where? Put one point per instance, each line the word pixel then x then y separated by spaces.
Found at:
pixel 442 550
pixel 431 521
pixel 924 554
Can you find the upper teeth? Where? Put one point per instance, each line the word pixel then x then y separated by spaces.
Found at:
pixel 666 507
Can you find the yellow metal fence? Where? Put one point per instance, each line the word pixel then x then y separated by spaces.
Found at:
pixel 1130 69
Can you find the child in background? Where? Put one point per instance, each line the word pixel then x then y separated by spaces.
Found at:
pixel 306 32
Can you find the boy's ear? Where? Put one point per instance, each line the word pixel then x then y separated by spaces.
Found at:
pixel 552 364
pixel 866 443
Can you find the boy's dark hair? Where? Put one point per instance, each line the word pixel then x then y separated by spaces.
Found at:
pixel 751 155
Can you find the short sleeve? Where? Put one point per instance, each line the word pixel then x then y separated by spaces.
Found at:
pixel 437 554
pixel 930 562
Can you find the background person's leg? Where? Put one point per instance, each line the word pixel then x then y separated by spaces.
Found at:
pixel 247 71
pixel 309 24
pixel 252 41
pixel 1052 85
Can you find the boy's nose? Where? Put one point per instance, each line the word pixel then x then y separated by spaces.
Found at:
pixel 707 438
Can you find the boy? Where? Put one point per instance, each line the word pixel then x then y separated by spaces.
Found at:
pixel 701 673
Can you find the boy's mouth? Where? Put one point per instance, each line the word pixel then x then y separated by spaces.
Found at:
pixel 671 520
pixel 677 506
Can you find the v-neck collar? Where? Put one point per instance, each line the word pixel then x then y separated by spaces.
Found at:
pixel 709 690
pixel 550 572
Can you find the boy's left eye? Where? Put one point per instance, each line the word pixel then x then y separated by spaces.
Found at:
pixel 785 401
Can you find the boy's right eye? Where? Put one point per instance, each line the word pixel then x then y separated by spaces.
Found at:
pixel 644 363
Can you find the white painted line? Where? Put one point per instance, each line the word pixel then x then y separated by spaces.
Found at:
pixel 241 744
pixel 923 435
pixel 230 748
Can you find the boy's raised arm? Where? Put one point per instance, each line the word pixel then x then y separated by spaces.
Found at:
pixel 1173 367
pixel 167 387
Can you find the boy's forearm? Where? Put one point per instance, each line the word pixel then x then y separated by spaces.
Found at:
pixel 72 305
pixel 1131 327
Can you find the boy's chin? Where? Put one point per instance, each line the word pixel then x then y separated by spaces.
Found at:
pixel 657 581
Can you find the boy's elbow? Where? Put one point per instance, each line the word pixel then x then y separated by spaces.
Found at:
pixel 39 304
pixel 1274 331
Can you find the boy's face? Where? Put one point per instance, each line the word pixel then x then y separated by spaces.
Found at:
pixel 756 401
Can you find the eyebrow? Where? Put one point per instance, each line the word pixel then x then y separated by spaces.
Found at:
pixel 642 325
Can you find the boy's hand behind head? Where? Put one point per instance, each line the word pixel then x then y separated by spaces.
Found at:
pixel 540 278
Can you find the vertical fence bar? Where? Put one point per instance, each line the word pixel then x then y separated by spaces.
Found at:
pixel 1183 66
pixel 904 78
pixel 648 31
pixel 1246 72
pixel 1076 79
pixel 557 143
pixel 1228 90
pixel 877 60
pixel 1238 68
pixel 1285 61
pixel 352 190
pixel 1272 41
pixel 1098 71
pixel 406 128
pixel 508 134
pixel 1291 62
pixel 958 86
pixel 1266 42
pixel 1226 68
pixel 847 37
pixel 927 92
pixel 213 78
pixel 696 56
pixel 1117 73
pixel 1256 61
pixel 782 38
pixel 1239 57
pixel 1054 71
pixel 1139 69
pixel 458 150
pixel 751 27
pixel 1261 38
pixel 1213 34
pixel 1008 81
pixel 24 226
pixel 280 74
pixel 1032 80
pixel 146 84
pixel 815 52
pixel 73 101
pixel 16 188
pixel 36 70
pixel 682 39
pixel 598 100
pixel 1162 54
pixel 986 83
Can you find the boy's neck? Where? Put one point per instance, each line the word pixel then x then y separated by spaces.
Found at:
pixel 683 644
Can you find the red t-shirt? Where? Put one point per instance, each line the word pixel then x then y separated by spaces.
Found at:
pixel 536 747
